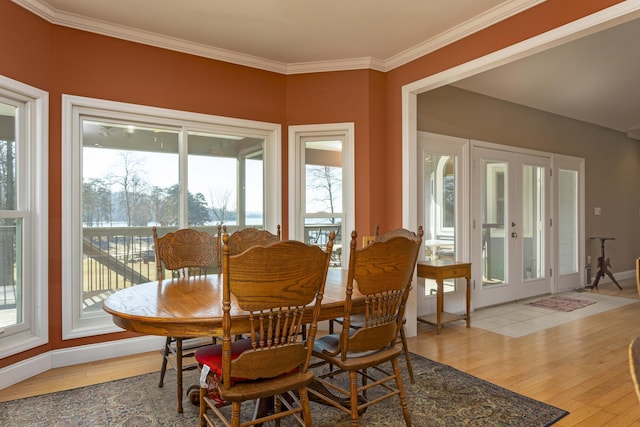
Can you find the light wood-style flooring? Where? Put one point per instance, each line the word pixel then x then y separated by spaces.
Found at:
pixel 581 366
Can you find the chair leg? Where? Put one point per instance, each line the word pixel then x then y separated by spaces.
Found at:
pixel 203 406
pixel 403 336
pixel 165 354
pixel 179 372
pixel 235 414
pixel 353 397
pixel 401 395
pixel 306 408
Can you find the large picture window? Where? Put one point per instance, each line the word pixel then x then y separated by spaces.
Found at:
pixel 23 217
pixel 169 169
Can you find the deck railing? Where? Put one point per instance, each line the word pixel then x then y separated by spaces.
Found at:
pixel 119 257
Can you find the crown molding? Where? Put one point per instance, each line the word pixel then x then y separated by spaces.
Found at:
pixel 490 17
pixel 337 65
pixel 459 32
pixel 83 23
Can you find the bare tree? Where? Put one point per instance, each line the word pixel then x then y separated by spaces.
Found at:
pixel 133 186
pixel 324 185
pixel 221 204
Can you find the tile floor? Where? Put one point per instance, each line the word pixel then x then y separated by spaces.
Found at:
pixel 517 319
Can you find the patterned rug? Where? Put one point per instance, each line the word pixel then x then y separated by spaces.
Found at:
pixel 442 396
pixel 559 303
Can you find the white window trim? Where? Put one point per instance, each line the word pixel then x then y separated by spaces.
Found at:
pixel 36 243
pixel 73 325
pixel 296 192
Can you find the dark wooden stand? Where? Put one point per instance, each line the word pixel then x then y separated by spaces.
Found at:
pixel 603 264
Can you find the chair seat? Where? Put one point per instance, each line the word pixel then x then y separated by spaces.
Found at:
pixel 324 346
pixel 257 389
pixel 211 355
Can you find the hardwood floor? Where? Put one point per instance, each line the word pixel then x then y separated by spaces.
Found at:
pixel 581 366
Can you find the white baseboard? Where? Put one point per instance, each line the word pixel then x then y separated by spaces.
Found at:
pixel 28 368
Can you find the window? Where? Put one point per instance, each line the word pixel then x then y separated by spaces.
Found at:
pixel 443 192
pixel 442 206
pixel 321 185
pixel 440 213
pixel 23 217
pixel 134 167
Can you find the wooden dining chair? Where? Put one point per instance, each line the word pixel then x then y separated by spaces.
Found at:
pixel 382 273
pixel 241 240
pixel 273 284
pixel 185 252
pixel 358 320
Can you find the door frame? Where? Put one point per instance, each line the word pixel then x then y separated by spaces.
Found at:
pixel 610 16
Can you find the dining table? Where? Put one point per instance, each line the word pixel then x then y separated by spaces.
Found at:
pixel 192 306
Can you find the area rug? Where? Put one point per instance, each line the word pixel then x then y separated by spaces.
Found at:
pixel 559 303
pixel 442 396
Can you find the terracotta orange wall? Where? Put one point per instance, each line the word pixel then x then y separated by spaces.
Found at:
pixel 25 50
pixel 348 96
pixel 62 60
pixel 372 207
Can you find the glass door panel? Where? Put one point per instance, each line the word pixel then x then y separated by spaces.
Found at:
pixel 533 217
pixel 568 221
pixel 569 212
pixel 493 222
pixel 323 212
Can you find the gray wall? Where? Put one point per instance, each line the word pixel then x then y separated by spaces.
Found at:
pixel 612 161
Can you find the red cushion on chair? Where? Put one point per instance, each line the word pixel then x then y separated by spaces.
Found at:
pixel 211 355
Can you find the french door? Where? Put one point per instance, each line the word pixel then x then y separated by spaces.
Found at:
pixel 510 225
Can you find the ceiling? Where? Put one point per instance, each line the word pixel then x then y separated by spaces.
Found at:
pixel 593 79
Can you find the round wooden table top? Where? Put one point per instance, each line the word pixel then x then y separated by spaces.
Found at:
pixel 192 307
